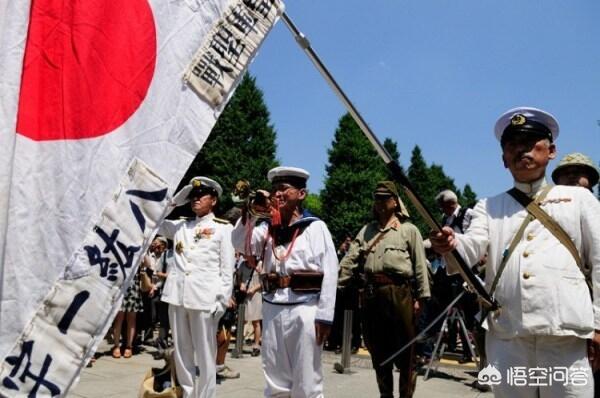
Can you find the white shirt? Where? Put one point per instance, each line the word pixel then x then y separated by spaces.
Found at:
pixel 465 222
pixel 465 225
pixel 201 276
pixel 312 250
pixel 541 291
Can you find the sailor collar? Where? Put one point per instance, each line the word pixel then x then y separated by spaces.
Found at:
pixel 532 188
pixel 285 234
pixel 305 217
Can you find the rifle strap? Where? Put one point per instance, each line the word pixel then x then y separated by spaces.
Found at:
pixel 517 238
pixel 551 225
pixel 379 236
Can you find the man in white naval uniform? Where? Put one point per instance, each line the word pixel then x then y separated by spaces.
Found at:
pixel 198 286
pixel 546 311
pixel 300 269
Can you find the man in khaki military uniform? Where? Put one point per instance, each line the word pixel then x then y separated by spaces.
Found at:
pixel 576 169
pixel 394 258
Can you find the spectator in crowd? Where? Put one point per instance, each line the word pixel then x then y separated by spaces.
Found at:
pixel 449 286
pixel 576 169
pixel 162 308
pixel 132 305
pixel 223 338
pixel 250 285
pixel 151 264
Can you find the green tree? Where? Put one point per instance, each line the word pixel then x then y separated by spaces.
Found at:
pixel 353 170
pixel 392 148
pixel 240 146
pixel 418 175
pixel 428 181
pixel 468 198
pixel 313 204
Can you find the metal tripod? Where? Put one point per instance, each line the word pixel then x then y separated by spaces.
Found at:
pixel 453 315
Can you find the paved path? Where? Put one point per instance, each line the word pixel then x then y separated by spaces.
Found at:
pixel 121 378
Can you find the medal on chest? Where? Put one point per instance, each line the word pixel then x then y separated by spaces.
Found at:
pixel 179 247
pixel 203 233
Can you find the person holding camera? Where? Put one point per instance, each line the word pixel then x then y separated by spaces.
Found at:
pixel 388 257
pixel 198 285
pixel 299 283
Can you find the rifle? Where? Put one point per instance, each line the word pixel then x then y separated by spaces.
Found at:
pixel 453 258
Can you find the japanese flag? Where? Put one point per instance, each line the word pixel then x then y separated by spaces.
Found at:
pixel 103 106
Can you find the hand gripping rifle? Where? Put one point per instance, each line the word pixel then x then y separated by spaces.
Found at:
pixel 453 258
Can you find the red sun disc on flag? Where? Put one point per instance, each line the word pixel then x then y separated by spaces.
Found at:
pixel 87 67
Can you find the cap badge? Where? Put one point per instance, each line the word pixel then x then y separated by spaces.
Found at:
pixel 518 120
pixel 196 183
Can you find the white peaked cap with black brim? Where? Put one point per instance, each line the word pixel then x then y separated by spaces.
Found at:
pixel 526 120
pixel 197 185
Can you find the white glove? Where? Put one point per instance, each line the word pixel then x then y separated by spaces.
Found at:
pixel 219 310
pixel 181 197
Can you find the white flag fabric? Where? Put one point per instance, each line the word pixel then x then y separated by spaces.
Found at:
pixel 104 105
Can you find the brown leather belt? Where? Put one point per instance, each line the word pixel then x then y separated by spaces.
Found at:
pixel 383 279
pixel 301 282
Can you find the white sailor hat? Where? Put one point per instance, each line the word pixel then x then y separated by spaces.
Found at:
pixel 197 185
pixel 293 175
pixel 526 120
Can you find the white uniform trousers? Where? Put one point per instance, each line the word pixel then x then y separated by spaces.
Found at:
pixel 291 359
pixel 194 337
pixel 550 355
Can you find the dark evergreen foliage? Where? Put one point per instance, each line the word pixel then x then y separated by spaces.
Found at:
pixel 353 170
pixel 240 146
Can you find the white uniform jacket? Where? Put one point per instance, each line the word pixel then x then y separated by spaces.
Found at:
pixel 541 291
pixel 201 277
pixel 313 250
